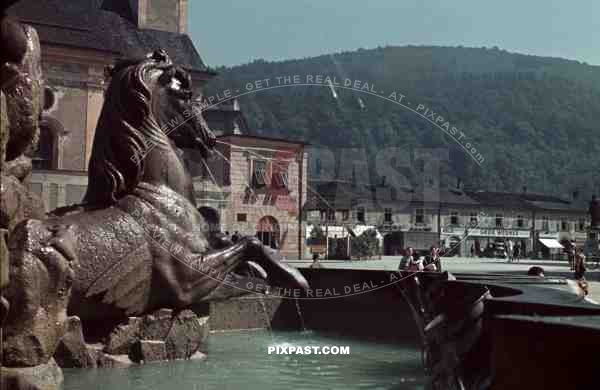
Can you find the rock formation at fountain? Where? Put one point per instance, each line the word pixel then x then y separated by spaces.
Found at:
pixel 21 87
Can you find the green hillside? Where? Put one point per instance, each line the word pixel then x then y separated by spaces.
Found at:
pixel 534 121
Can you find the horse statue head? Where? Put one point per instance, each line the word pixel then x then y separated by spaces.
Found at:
pixel 148 109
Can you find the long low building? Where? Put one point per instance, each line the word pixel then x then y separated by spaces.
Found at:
pixel 463 219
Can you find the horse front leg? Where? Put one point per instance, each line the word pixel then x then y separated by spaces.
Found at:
pixel 213 275
pixel 194 280
pixel 272 261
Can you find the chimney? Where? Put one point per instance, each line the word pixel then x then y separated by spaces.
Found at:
pixel 163 15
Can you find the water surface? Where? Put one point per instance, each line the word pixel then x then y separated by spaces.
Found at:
pixel 240 360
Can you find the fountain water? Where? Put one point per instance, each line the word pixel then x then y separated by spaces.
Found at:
pixel 300 316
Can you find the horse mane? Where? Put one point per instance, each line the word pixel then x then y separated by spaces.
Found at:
pixel 126 129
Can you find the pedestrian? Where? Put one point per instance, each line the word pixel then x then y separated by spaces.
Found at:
pixel 472 250
pixel 580 269
pixel 580 266
pixel 571 253
pixel 316 263
pixel 536 271
pixel 407 260
pixel 435 255
pixel 517 252
pixel 509 250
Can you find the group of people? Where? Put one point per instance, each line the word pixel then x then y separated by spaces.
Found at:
pixel 411 262
pixel 513 251
pixel 235 237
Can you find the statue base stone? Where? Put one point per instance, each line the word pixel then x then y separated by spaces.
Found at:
pixel 159 336
pixel 43 377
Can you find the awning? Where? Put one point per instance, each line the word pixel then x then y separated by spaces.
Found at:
pixel 551 243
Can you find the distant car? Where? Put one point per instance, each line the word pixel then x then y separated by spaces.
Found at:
pixel 496 249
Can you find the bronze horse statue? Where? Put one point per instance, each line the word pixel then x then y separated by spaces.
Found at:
pixel 136 242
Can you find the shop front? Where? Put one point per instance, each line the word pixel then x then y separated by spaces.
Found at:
pixel 453 241
pixel 487 241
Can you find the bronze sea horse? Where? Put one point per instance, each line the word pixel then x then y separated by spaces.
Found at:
pixel 134 244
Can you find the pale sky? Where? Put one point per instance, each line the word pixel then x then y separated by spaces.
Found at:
pixel 231 32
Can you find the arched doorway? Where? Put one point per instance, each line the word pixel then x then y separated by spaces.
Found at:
pixel 211 218
pixel 267 231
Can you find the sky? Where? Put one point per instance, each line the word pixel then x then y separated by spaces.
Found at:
pixel 232 32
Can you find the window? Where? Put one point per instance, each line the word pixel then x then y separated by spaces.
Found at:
pixel 520 221
pixel 387 215
pixel 331 215
pixel 241 217
pixel 564 226
pixel 581 225
pixel 419 216
pixel 43 154
pixel 499 220
pixel 323 215
pixel 545 224
pixel 280 179
pixel 259 171
pixel 345 215
pixel 360 214
pixel 473 219
pixel 454 218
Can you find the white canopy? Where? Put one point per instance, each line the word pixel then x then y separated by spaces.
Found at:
pixel 551 243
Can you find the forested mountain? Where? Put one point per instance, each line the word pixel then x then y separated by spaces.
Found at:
pixel 535 121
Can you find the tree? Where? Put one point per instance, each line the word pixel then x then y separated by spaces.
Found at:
pixel 365 245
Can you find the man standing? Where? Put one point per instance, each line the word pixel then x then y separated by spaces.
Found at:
pixel 407 260
pixel 509 250
pixel 571 253
pixel 517 252
pixel 580 267
pixel 580 271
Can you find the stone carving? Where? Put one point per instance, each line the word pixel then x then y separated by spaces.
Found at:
pixel 595 213
pixel 21 85
pixel 135 244
pixel 162 335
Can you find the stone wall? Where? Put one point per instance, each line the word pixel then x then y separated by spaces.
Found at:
pixel 381 314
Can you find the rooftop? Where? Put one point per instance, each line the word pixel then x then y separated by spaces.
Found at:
pixel 103 25
pixel 342 195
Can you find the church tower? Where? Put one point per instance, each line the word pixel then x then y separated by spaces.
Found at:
pixel 164 15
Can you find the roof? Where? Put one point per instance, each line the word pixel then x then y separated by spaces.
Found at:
pixel 103 25
pixel 343 195
pixel 275 139
pixel 526 201
pixel 554 206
